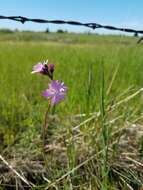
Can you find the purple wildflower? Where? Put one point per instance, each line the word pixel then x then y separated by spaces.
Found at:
pixel 44 68
pixel 56 92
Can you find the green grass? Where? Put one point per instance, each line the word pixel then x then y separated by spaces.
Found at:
pixel 78 59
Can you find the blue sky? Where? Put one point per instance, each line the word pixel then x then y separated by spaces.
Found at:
pixel 122 13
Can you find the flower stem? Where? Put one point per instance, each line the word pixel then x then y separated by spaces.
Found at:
pixel 43 132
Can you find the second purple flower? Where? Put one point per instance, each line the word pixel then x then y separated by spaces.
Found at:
pixel 56 92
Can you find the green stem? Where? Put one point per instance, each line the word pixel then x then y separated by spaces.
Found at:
pixel 104 127
pixel 102 107
pixel 44 130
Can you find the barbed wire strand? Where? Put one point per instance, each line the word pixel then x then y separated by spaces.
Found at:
pixel 91 25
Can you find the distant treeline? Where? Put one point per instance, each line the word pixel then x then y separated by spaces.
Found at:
pixel 7 30
pixel 60 31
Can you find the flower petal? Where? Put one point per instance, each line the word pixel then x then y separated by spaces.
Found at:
pixel 56 99
pixel 55 85
pixel 37 68
pixel 48 93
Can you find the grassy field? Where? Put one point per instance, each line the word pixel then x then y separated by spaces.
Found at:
pixel 94 136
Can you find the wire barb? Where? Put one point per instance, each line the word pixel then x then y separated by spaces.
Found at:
pixel 76 23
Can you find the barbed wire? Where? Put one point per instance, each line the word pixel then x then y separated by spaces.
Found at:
pixel 92 25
